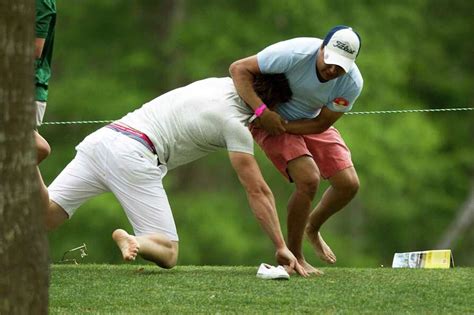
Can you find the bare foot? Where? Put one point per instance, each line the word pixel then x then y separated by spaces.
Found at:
pixel 127 243
pixel 310 269
pixel 322 249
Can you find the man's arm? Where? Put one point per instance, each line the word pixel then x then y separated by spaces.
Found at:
pixel 319 124
pixel 262 202
pixel 243 72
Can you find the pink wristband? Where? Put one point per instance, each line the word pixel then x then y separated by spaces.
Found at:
pixel 260 109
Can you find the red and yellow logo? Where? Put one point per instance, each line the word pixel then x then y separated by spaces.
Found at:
pixel 340 101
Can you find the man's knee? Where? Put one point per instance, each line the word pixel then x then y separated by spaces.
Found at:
pixel 42 147
pixel 308 185
pixel 172 258
pixel 351 186
pixel 43 152
pixel 168 264
pixel 305 174
pixel 347 182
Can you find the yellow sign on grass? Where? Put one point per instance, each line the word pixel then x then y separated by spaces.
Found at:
pixel 442 258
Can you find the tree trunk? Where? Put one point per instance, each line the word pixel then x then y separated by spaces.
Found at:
pixel 23 243
pixel 163 17
pixel 461 223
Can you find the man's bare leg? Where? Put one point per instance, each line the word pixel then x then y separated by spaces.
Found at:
pixel 44 194
pixel 344 186
pixel 305 175
pixel 55 216
pixel 154 247
pixel 42 147
pixel 42 151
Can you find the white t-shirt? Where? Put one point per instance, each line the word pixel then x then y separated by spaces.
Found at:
pixel 189 122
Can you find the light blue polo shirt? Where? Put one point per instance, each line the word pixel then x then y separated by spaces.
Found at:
pixel 296 58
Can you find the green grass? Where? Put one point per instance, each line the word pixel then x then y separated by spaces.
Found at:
pixel 145 289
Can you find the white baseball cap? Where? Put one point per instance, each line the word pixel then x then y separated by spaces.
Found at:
pixel 341 47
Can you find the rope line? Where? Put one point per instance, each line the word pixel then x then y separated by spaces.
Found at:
pixel 403 111
pixel 77 122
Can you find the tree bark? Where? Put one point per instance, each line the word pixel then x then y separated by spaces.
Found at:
pixel 23 242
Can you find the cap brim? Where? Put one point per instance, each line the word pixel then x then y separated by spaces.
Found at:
pixel 333 58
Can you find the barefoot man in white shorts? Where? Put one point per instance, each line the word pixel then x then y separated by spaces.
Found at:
pixel 131 156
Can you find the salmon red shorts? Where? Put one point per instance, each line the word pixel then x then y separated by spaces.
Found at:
pixel 328 150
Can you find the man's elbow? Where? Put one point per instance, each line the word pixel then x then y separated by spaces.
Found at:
pixel 307 128
pixel 235 68
pixel 324 127
pixel 241 69
pixel 319 126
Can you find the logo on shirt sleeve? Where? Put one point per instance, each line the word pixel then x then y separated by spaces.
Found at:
pixel 340 103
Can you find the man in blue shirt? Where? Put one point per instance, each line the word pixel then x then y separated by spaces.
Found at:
pixel 298 136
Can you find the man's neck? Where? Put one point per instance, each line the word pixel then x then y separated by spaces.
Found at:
pixel 320 78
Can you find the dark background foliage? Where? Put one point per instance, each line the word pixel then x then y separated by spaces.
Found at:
pixel 111 56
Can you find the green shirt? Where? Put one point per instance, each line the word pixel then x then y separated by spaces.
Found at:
pixel 44 28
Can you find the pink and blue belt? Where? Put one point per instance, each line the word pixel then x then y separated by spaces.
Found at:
pixel 134 134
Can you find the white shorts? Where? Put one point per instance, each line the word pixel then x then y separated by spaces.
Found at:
pixel 106 161
pixel 40 110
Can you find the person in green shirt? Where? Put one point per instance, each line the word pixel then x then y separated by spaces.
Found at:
pixel 44 41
